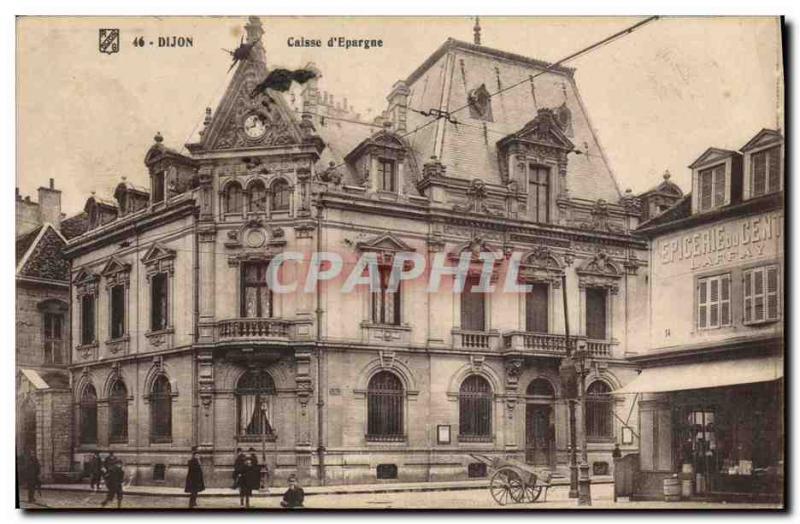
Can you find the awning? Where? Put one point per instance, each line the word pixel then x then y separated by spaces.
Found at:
pixel 34 378
pixel 701 375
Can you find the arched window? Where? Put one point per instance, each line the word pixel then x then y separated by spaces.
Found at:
pixel 475 409
pixel 257 197
pixel 88 415
pixel 540 387
pixel 255 392
pixel 280 196
pixel 233 198
pixel 161 410
pixel 385 407
pixel 118 412
pixel 599 411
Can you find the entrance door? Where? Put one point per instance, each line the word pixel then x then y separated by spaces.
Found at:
pixel 538 434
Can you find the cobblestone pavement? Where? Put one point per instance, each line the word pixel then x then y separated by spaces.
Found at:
pixel 456 499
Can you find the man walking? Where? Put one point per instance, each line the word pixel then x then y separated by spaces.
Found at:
pixel 194 479
pixel 238 467
pixel 95 471
pixel 248 481
pixel 114 477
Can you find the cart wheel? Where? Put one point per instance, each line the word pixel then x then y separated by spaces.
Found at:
pixel 506 487
pixel 532 493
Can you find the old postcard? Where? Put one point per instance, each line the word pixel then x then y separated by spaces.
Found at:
pixel 400 262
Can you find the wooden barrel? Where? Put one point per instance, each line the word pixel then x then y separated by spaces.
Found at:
pixel 672 490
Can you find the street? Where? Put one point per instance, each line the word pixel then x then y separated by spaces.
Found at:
pixel 450 499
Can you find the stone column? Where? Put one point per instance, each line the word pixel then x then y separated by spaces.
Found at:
pixel 205 387
pixel 304 407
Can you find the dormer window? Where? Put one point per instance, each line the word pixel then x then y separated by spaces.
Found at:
pixel 712 187
pixel 386 175
pixel 765 171
pixel 159 187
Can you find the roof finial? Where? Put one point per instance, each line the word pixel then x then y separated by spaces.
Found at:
pixel 254 29
pixel 667 174
pixel 477 30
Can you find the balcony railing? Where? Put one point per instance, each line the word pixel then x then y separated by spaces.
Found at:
pixel 552 344
pixel 252 328
pixel 485 340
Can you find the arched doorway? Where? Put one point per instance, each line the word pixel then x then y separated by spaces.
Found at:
pixel 540 431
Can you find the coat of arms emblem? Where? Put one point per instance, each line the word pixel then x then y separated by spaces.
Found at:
pixel 109 41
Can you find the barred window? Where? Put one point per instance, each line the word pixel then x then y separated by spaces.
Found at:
pixel 53 338
pixel 761 300
pixel 280 195
pixel 385 407
pixel 599 411
pixel 257 197
pixel 537 308
pixel 539 193
pixel 765 171
pixel 714 301
pixel 159 317
pixel 88 415
pixel 117 311
pixel 256 297
pixel 255 392
pixel 87 319
pixel 161 410
pixel 118 412
pixel 233 198
pixel 475 409
pixel 473 307
pixel 385 303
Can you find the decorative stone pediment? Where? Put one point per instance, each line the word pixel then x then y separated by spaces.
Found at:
pixel 116 272
pixel 764 138
pixel 600 219
pixel 158 259
pixel 388 142
pixel 711 155
pixel 85 282
pixel 600 271
pixel 542 265
pixel 475 246
pixel 476 200
pixel 543 130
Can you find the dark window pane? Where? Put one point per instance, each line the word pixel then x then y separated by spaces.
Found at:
pixel 258 197
pixel 233 198
pixel 88 415
pixel 599 414
pixel 596 313
pixel 117 311
pixel 385 406
pixel 158 187
pixel 706 186
pixel 758 168
pixel 256 297
pixel 385 305
pixel 774 169
pixel 536 308
pixel 87 319
pixel 386 175
pixel 118 412
pixel 539 193
pixel 280 196
pixel 53 338
pixel 159 304
pixel 473 307
pixel 475 408
pixel 254 393
pixel 161 409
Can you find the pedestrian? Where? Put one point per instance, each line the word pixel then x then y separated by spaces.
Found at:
pixel 248 481
pixel 238 467
pixel 111 459
pixel 95 471
pixel 35 471
pixel 194 479
pixel 253 456
pixel 114 476
pixel 29 474
pixel 293 497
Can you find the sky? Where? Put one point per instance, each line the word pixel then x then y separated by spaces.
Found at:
pixel 657 98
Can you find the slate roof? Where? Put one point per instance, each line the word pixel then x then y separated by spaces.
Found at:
pixel 75 225
pixel 25 241
pixel 44 257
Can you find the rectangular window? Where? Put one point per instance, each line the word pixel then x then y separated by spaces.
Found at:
pixel 158 187
pixel 714 301
pixel 712 187
pixel 87 319
pixel 536 308
pixel 386 175
pixel 256 298
pixel 117 311
pixel 159 302
pixel 473 307
pixel 761 301
pixel 385 304
pixel 539 193
pixel 53 338
pixel 765 171
pixel 596 313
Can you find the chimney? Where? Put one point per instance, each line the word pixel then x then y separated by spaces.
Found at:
pixel 398 102
pixel 50 205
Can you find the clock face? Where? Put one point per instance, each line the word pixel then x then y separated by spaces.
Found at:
pixel 254 126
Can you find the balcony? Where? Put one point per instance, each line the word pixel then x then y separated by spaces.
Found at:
pixel 243 329
pixel 482 340
pixel 551 344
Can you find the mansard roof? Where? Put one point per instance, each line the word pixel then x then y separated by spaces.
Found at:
pixel 42 257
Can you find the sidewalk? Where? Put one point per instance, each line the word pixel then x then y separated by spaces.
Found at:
pixel 277 491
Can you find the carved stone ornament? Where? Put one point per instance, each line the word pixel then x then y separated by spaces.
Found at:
pixel 331 175
pixel 599 271
pixel 600 219
pixel 476 200
pixel 542 265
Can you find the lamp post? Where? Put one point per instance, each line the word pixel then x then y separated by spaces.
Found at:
pixel 584 481
pixel 263 468
pixel 568 387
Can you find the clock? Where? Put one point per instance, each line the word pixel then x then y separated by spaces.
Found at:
pixel 254 126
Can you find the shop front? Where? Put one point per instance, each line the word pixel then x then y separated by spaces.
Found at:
pixel 716 428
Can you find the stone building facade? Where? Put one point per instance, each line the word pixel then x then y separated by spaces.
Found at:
pixel 179 340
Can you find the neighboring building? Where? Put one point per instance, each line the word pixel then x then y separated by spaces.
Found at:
pixel 44 397
pixel 660 198
pixel 178 341
pixel 711 393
